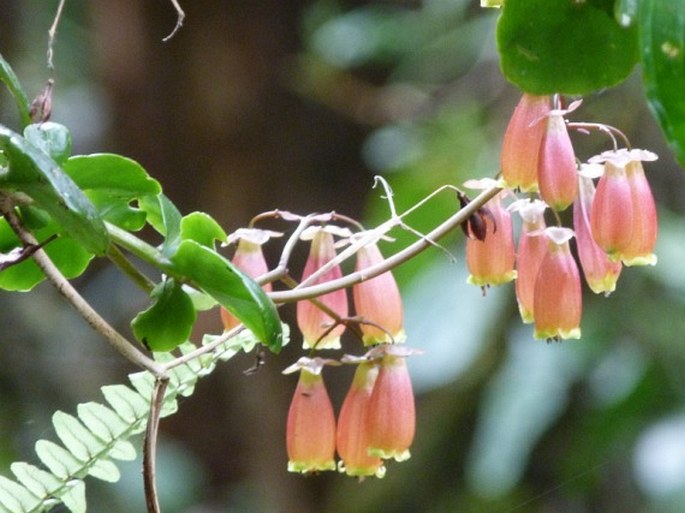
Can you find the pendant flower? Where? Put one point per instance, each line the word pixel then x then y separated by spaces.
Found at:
pixel 532 248
pixel 314 323
pixel 601 274
pixel 558 298
pixel 491 260
pixel 557 170
pixel 310 430
pixel 352 439
pixel 624 217
pixel 521 146
pixel 378 301
pixel 248 258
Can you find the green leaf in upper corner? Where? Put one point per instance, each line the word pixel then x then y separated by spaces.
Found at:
pixel 202 228
pixel 9 78
pixel 164 217
pixel 54 139
pixel 236 292
pixel 32 172
pixel 562 46
pixel 113 183
pixel 662 45
pixel 68 255
pixel 168 321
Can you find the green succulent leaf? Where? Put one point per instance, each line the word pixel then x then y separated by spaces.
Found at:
pixel 66 253
pixel 9 78
pixel 32 172
pixel 164 217
pixel 662 45
pixel 560 46
pixel 54 139
pixel 202 228
pixel 113 183
pixel 168 321
pixel 232 289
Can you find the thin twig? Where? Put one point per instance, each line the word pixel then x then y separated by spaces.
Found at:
pixel 309 291
pixel 119 259
pixel 150 445
pixel 222 339
pixel 52 33
pixel 180 16
pixel 53 274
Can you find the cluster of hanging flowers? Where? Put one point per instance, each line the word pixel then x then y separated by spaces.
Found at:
pixel 614 221
pixel 376 421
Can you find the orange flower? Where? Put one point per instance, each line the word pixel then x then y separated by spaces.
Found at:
pixel 310 431
pixel 521 146
pixel 312 321
pixel 558 299
pixel 557 170
pixel 352 440
pixel 378 300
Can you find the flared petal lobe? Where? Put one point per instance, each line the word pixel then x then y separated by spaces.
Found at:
pixel 312 321
pixel 378 301
pixel 310 430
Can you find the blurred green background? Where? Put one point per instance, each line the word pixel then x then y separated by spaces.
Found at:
pixel 296 105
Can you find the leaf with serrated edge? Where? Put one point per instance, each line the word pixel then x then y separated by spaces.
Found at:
pixel 40 482
pixel 60 461
pixel 75 497
pixel 15 497
pixel 128 404
pixel 79 440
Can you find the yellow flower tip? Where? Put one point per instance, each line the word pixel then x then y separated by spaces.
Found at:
pixel 390 454
pixel 362 472
pixel 650 259
pixel 325 343
pixel 558 334
pixel 310 467
pixel 484 281
pixel 526 315
pixel 373 339
pixel 604 286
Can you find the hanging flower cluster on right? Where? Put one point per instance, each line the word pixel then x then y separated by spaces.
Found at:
pixel 614 217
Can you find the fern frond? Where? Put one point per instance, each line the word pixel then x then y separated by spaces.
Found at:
pixel 99 434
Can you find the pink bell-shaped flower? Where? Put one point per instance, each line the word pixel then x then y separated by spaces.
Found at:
pixel 557 170
pixel 378 301
pixel 521 146
pixel 491 261
pixel 391 420
pixel 248 258
pixel 352 439
pixel 310 430
pixel 314 323
pixel 601 273
pixel 532 248
pixel 558 297
pixel 624 217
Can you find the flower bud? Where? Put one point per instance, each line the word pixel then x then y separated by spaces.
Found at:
pixel 315 324
pixel 491 261
pixel 352 439
pixel 600 272
pixel 558 299
pixel 521 146
pixel 392 416
pixel 532 248
pixel 378 301
pixel 557 170
pixel 310 430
